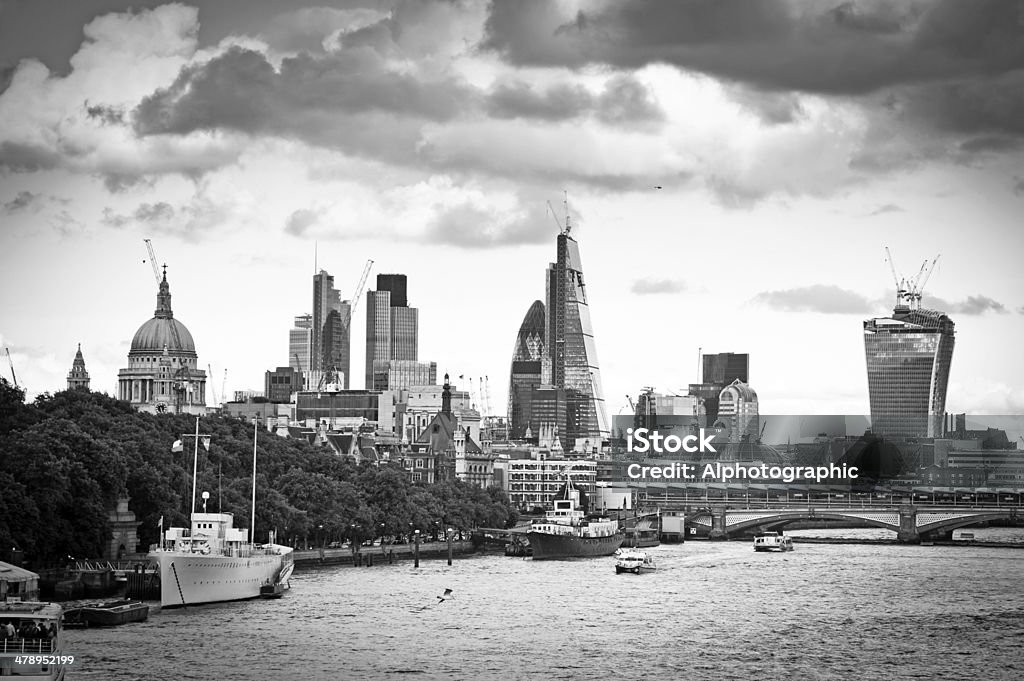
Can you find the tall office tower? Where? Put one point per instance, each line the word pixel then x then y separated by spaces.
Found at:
pixel 526 369
pixel 570 347
pixel 330 342
pixel 726 367
pixel 720 370
pixel 908 359
pixel 392 327
pixel 299 339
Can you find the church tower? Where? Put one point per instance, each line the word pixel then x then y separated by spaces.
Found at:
pixel 78 377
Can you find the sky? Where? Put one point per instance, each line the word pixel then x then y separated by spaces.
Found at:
pixel 734 172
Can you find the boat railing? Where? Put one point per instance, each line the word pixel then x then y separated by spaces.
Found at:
pixel 26 645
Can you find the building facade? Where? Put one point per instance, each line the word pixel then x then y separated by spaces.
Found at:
pixel 738 412
pixel 330 338
pixel 392 327
pixel 300 339
pixel 163 373
pixel 279 384
pixel 401 374
pixel 78 377
pixel 527 371
pixel 908 361
pixel 570 353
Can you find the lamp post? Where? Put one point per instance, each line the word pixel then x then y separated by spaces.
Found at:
pixel 416 549
pixel 449 533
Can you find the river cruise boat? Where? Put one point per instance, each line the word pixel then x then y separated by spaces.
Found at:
pixel 35 651
pixel 631 560
pixel 772 541
pixel 568 532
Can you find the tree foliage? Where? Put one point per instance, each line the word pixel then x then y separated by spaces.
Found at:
pixel 67 457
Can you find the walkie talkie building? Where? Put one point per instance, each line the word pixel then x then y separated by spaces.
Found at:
pixel 908 359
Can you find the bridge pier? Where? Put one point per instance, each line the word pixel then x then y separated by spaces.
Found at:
pixel 908 534
pixel 718 524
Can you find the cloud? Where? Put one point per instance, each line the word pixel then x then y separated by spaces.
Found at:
pixel 655 286
pixel 20 202
pixel 1018 186
pixel 437 211
pixel 300 220
pixel 624 100
pixel 972 305
pixel 887 208
pixel 824 298
pixel 853 48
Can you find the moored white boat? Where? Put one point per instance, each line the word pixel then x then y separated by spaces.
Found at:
pixel 212 561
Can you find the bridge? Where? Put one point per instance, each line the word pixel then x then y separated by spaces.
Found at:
pixel 911 523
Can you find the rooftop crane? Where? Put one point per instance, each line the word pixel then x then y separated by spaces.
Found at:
pixel 11 362
pixel 901 285
pixel 213 390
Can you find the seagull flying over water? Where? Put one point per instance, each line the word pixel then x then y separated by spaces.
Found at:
pixel 447 595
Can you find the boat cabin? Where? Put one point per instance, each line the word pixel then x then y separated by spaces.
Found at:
pixel 210 533
pixel 29 628
pixel 18 584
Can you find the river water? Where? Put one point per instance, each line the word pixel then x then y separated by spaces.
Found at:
pixel 713 610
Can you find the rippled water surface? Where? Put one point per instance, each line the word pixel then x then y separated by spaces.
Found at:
pixel 711 611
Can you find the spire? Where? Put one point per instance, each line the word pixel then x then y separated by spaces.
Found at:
pixel 78 377
pixel 446 397
pixel 163 299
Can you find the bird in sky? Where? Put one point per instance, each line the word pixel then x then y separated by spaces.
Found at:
pixel 447 595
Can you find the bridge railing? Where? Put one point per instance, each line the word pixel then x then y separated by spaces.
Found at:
pixel 736 500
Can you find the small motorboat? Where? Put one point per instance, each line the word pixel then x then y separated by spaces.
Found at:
pixel 631 560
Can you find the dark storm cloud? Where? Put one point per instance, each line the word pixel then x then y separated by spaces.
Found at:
pixel 108 115
pixel 241 90
pixel 773 108
pixel 827 299
pixel 624 100
pixel 20 202
pixel 654 286
pixel 26 157
pixel 519 100
pixel 851 48
pixel 972 305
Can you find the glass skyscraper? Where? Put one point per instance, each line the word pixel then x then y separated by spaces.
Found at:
pixel 570 352
pixel 908 360
pixel 392 327
pixel 330 340
pixel 527 357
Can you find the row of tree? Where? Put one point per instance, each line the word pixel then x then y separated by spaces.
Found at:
pixel 67 457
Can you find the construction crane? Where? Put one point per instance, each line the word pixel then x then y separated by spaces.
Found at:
pixel 632 406
pixel 901 290
pixel 224 386
pixel 554 215
pixel 152 261
pixel 763 426
pixel 909 292
pixel 209 370
pixel 11 362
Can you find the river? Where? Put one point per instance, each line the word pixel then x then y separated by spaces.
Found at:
pixel 713 610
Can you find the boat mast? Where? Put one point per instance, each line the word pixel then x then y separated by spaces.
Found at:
pixel 252 532
pixel 195 465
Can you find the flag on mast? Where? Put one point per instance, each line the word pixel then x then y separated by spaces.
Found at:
pixel 206 443
pixel 177 446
